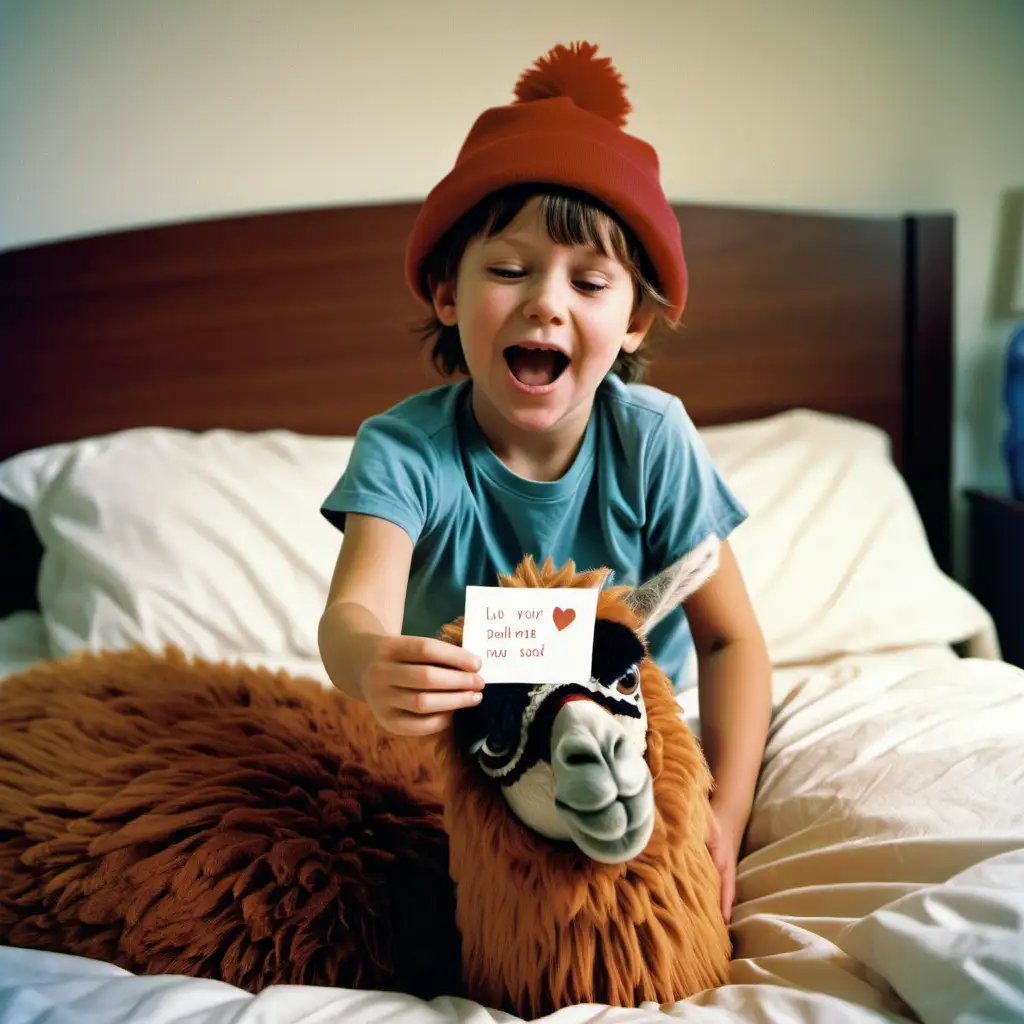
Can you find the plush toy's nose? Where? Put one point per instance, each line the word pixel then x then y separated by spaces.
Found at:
pixel 592 758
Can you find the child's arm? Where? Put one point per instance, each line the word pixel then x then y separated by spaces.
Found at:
pixel 412 684
pixel 734 686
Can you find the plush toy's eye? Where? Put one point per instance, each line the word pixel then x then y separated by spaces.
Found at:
pixel 496 746
pixel 629 682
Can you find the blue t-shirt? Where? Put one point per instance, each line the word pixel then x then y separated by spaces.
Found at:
pixel 641 493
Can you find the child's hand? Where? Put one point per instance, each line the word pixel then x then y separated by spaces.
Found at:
pixel 413 683
pixel 724 852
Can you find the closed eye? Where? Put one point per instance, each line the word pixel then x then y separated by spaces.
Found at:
pixel 491 747
pixel 496 746
pixel 510 274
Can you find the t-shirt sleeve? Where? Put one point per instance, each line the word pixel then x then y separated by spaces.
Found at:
pixel 391 474
pixel 687 498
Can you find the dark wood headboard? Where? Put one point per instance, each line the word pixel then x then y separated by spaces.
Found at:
pixel 301 320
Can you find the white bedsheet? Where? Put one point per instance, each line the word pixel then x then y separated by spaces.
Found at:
pixel 884 879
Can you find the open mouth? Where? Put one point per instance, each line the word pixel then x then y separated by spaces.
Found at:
pixel 535 366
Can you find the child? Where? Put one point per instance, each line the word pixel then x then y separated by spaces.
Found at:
pixel 547 255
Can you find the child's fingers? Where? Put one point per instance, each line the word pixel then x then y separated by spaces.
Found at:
pixel 425 650
pixel 432 702
pixel 432 677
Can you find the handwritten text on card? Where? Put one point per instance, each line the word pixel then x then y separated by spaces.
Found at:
pixel 531 635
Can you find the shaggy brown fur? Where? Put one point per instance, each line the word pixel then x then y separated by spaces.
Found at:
pixel 177 816
pixel 219 821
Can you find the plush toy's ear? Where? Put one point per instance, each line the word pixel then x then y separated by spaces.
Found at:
pixel 653 599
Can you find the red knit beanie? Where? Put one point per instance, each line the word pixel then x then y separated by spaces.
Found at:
pixel 564 128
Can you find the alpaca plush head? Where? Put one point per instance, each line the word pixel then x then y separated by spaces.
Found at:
pixel 570 758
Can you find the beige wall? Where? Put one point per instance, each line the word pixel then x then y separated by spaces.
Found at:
pixel 136 111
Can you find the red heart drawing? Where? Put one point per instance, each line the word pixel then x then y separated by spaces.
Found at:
pixel 562 617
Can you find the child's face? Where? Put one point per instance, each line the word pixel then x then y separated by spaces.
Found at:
pixel 541 323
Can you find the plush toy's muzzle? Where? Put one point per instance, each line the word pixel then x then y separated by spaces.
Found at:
pixel 603 787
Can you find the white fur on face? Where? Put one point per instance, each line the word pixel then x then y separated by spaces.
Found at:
pixel 532 800
pixel 636 729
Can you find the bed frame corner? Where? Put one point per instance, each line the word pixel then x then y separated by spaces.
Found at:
pixel 928 374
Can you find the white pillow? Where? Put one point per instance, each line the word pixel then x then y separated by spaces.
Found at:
pixel 834 553
pixel 213 541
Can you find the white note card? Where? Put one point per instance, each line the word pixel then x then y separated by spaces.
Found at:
pixel 531 634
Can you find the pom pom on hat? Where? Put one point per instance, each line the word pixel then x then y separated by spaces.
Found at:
pixel 591 82
pixel 564 127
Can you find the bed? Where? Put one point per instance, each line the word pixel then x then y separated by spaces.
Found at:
pixel 181 397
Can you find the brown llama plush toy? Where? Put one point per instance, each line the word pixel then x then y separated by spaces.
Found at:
pixel 180 816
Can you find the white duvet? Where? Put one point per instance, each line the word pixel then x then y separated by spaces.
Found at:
pixel 884 879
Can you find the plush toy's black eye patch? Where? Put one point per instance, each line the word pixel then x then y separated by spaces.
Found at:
pixel 498 716
pixel 616 650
